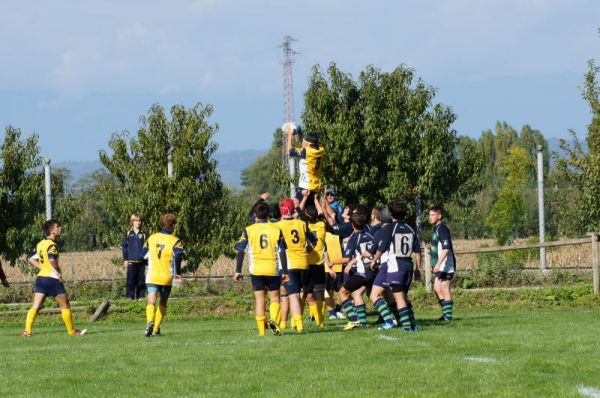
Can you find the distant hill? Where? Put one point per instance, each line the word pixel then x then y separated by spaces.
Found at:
pixel 230 166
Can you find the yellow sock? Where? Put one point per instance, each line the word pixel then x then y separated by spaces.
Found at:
pixel 293 322
pixel 320 311
pixel 67 317
pixel 260 322
pixel 297 319
pixel 31 314
pixel 160 316
pixel 150 313
pixel 312 310
pixel 283 325
pixel 275 311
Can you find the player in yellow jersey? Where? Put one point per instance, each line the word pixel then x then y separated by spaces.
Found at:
pixel 264 243
pixel 334 274
pixel 299 242
pixel 315 292
pixel 164 253
pixel 49 280
pixel 311 159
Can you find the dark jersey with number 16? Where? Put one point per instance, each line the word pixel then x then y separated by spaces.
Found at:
pixel 399 241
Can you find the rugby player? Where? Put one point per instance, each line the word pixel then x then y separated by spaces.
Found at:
pixel 443 261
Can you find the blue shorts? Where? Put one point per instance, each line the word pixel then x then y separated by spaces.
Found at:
pixel 262 282
pixel 51 287
pixel 163 290
pixel 299 278
pixel 444 276
pixel 381 277
pixel 335 284
pixel 400 281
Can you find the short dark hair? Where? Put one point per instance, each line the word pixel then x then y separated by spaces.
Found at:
pixel 312 138
pixel 364 210
pixel 48 225
pixel 376 212
pixel 311 212
pixel 274 210
pixel 167 221
pixel 358 220
pixel 437 209
pixel 261 211
pixel 398 209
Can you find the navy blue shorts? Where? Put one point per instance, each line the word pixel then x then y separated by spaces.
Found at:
pixel 335 284
pixel 444 276
pixel 381 277
pixel 298 279
pixel 355 282
pixel 51 287
pixel 400 281
pixel 262 282
pixel 163 290
pixel 316 274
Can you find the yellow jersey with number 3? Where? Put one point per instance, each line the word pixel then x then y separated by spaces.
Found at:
pixel 294 233
pixel 45 251
pixel 162 249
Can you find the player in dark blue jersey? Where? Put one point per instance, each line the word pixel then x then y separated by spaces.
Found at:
pixel 443 262
pixel 400 242
pixel 362 277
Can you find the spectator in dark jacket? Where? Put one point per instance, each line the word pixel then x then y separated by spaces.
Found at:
pixel 133 258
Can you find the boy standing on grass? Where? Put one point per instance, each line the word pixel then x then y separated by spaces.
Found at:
pixel 398 243
pixel 164 253
pixel 356 283
pixel 133 258
pixel 443 262
pixel 264 243
pixel 49 280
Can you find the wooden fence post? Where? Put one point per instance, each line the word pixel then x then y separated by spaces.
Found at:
pixel 595 262
pixel 427 266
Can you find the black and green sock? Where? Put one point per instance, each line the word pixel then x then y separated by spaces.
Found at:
pixel 384 310
pixel 348 309
pixel 361 312
pixel 404 315
pixel 447 308
pixel 411 315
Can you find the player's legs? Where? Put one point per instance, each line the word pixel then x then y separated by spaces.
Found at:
pixel 161 312
pixel 293 287
pixel 442 289
pixel 259 297
pixel 400 284
pixel 36 306
pixel 347 306
pixel 318 283
pixel 359 305
pixel 65 311
pixel 151 307
pixel 285 306
pixel 378 300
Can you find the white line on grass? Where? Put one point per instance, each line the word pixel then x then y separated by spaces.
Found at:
pixel 481 359
pixel 383 337
pixel 589 391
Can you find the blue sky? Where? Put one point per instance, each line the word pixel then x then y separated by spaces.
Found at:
pixel 77 71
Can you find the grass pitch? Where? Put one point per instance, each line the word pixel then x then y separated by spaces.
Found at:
pixel 549 353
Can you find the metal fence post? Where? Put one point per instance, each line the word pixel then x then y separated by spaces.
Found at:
pixel 541 217
pixel 595 237
pixel 427 266
pixel 48 188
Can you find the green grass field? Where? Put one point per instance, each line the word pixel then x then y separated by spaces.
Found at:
pixel 495 353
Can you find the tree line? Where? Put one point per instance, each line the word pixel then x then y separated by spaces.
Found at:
pixel 385 137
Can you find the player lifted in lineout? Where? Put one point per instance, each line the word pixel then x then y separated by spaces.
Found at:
pixel 311 159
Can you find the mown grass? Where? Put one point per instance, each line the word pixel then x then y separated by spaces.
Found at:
pixel 508 353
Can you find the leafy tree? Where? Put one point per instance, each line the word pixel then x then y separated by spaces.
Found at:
pixel 508 213
pixel 195 193
pixel 386 139
pixel 266 174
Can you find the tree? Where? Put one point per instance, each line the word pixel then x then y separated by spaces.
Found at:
pixel 385 138
pixel 508 213
pixel 195 193
pixel 266 174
